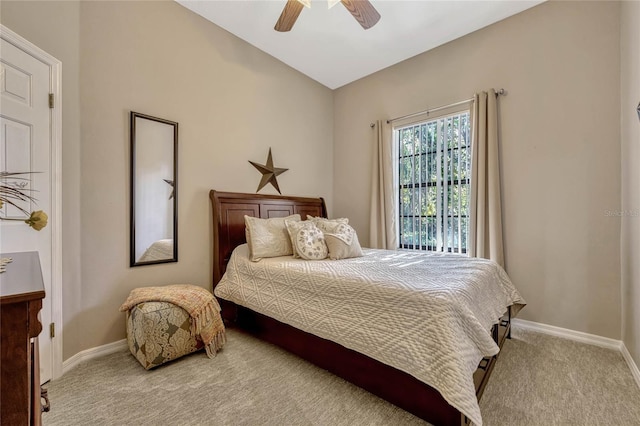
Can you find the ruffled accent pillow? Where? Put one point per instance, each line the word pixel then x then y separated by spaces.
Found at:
pixel 307 240
pixel 343 243
pixel 327 225
pixel 268 237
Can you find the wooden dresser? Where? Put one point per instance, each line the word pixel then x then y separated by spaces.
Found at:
pixel 21 294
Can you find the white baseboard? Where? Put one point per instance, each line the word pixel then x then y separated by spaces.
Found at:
pixel 631 363
pixel 92 353
pixel 578 336
pixel 565 333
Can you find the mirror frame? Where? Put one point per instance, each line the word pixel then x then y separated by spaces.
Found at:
pixel 135 138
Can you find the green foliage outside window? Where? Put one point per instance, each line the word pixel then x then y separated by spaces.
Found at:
pixel 434 165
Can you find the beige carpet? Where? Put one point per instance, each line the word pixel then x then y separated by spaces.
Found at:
pixel 538 380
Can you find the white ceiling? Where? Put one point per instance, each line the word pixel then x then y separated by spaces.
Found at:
pixel 330 46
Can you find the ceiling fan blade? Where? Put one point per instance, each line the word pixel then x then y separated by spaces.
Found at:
pixel 363 11
pixel 288 16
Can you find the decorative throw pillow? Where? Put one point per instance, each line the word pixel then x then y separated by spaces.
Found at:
pixel 307 236
pixel 343 243
pixel 268 237
pixel 327 225
pixel 309 243
pixel 293 226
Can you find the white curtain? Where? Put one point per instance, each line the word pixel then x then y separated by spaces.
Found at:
pixel 382 228
pixel 485 230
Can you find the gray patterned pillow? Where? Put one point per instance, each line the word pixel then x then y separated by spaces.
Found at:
pixel 268 237
pixel 307 240
pixel 343 243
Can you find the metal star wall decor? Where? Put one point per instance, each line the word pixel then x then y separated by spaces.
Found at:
pixel 173 188
pixel 269 173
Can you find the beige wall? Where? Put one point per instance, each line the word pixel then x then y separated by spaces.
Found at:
pixel 560 63
pixel 232 103
pixel 630 233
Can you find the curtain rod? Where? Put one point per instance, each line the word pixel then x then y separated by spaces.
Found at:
pixel 498 93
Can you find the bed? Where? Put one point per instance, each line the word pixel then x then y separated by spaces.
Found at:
pixel 388 376
pixel 158 250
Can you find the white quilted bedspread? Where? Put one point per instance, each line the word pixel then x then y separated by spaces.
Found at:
pixel 427 314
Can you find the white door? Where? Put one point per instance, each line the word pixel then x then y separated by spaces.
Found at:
pixel 25 146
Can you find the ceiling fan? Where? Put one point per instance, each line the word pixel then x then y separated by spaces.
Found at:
pixel 364 12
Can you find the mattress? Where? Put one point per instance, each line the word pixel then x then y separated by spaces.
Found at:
pixel 159 250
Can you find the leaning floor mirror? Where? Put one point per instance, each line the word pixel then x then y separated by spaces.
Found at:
pixel 154 190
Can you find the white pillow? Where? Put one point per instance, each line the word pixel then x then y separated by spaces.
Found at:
pixel 343 243
pixel 268 237
pixel 307 240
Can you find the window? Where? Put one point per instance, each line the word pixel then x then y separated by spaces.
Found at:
pixel 434 170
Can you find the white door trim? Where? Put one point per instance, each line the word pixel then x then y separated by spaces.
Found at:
pixel 55 219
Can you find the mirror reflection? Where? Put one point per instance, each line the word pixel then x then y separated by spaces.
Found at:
pixel 154 144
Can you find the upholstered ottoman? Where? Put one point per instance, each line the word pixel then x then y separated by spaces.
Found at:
pixel 165 323
pixel 158 332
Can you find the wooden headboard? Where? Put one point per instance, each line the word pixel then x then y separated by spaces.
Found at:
pixel 229 209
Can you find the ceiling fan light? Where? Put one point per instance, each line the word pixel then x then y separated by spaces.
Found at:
pixel 307 3
pixel 332 3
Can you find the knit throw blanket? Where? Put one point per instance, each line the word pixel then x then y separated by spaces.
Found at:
pixel 200 304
